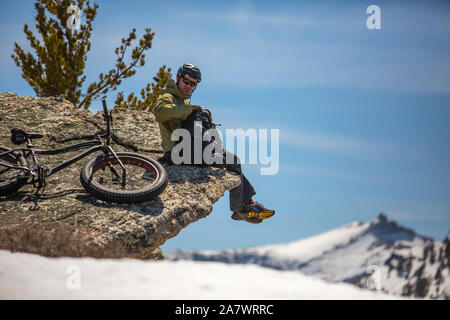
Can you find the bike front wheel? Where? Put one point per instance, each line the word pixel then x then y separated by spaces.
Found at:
pixel 145 178
pixel 11 179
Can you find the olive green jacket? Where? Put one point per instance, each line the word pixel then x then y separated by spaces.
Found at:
pixel 170 109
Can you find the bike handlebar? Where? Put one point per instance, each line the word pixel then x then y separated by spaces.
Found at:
pixel 108 120
pixel 105 109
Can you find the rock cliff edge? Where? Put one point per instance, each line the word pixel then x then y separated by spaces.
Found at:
pixel 65 220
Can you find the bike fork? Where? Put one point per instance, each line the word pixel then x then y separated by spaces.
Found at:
pixel 124 171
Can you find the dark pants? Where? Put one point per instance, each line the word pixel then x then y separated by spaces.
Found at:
pixel 240 195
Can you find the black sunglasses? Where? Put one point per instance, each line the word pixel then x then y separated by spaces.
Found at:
pixel 189 82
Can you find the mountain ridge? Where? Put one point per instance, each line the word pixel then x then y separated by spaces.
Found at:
pixel 408 264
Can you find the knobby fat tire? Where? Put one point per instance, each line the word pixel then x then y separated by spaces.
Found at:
pixel 135 196
pixel 11 186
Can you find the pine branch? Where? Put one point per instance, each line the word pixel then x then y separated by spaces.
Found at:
pixel 59 61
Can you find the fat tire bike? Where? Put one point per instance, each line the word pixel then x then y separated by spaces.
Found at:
pixel 122 177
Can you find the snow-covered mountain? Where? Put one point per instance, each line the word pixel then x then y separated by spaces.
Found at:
pixel 378 255
pixel 30 276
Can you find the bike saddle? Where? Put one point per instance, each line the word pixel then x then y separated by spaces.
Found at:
pixel 19 136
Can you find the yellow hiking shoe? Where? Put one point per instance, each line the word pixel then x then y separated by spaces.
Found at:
pixel 239 216
pixel 253 212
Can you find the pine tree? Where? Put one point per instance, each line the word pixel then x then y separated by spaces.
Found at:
pixel 62 54
pixel 149 94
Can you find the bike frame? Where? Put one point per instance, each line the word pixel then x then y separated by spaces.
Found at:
pixel 99 146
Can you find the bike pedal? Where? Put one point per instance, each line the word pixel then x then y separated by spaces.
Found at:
pixel 34 207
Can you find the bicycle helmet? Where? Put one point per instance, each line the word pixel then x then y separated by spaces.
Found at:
pixel 190 70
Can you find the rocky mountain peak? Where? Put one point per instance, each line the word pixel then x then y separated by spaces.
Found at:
pixel 388 231
pixel 382 218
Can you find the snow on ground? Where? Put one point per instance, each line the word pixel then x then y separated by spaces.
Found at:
pixel 29 276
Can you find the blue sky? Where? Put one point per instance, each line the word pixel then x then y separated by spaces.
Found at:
pixel 363 114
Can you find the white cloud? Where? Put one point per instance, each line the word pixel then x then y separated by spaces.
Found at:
pixel 427 214
pixel 245 17
pixel 344 146
pixel 329 173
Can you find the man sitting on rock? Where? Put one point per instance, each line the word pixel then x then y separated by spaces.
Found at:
pixel 171 109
